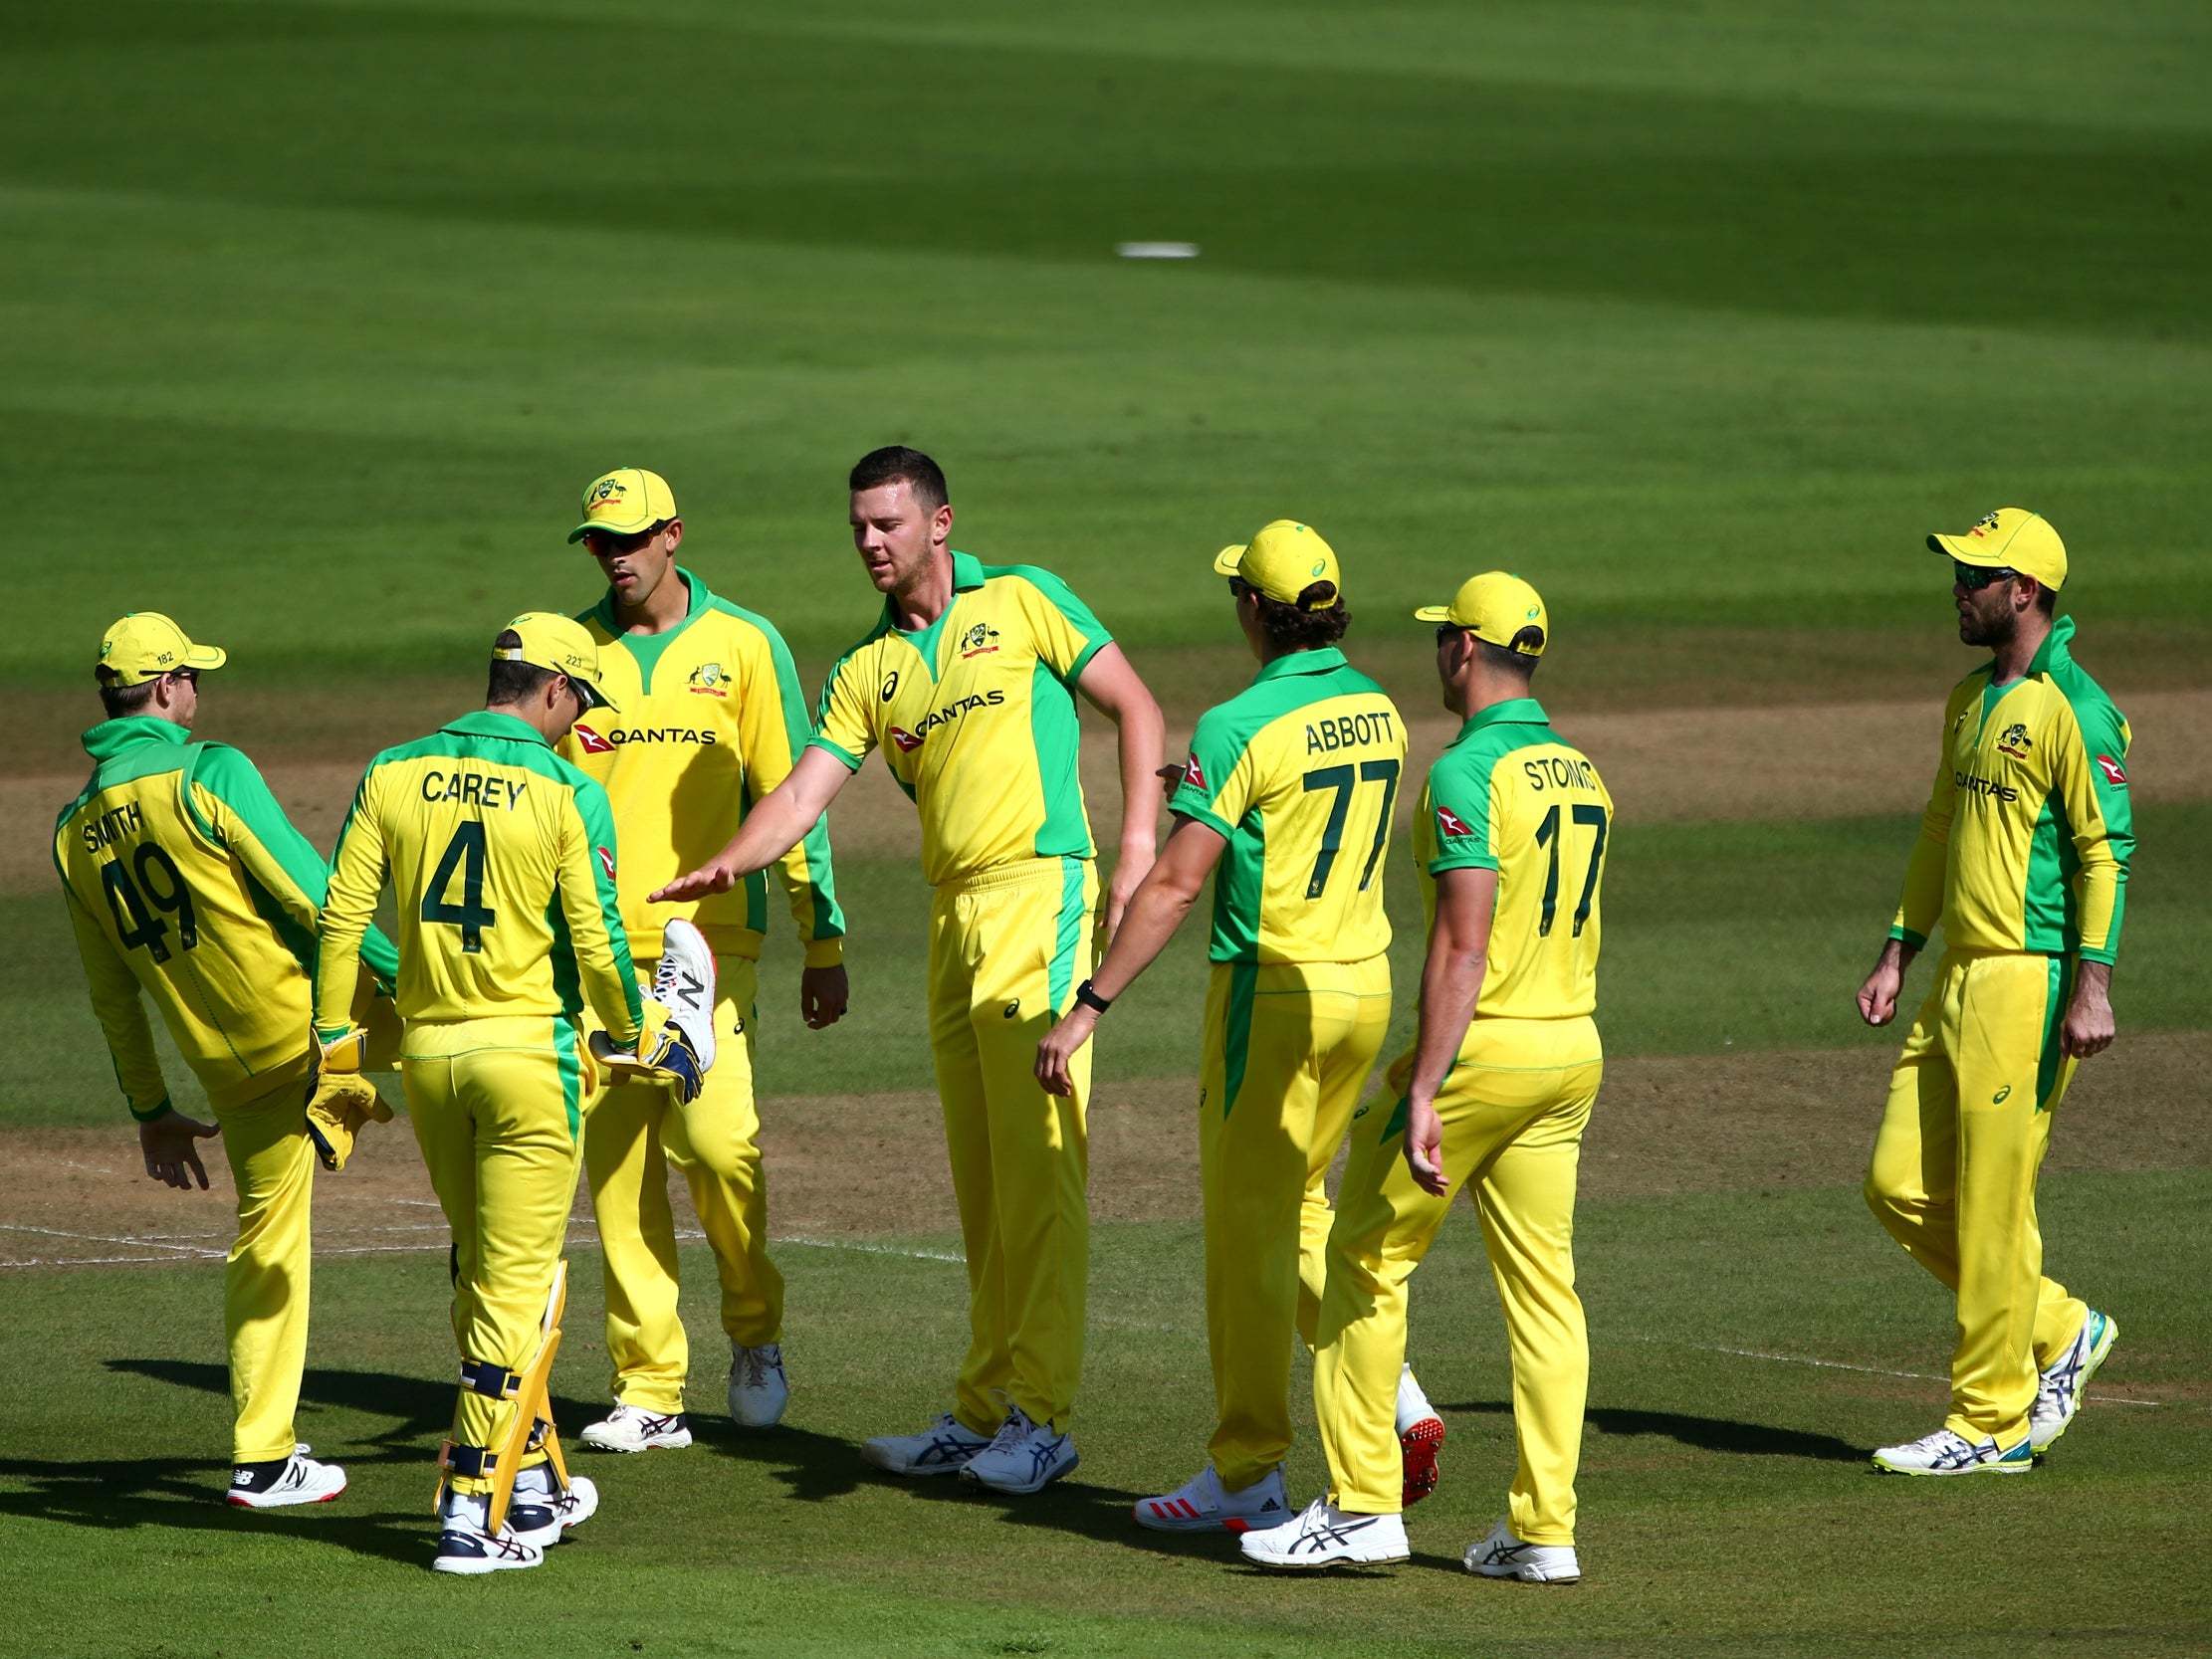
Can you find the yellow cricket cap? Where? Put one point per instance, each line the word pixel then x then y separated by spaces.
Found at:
pixel 558 645
pixel 1494 607
pixel 1282 561
pixel 2011 538
pixel 624 502
pixel 147 645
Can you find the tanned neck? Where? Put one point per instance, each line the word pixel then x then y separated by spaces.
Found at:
pixel 929 597
pixel 2014 656
pixel 667 605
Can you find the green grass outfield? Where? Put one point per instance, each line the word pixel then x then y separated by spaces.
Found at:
pixel 1699 312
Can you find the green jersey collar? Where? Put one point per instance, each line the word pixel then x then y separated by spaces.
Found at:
pixel 1301 662
pixel 111 738
pixel 1514 711
pixel 489 722
pixel 2053 653
pixel 700 600
pixel 968 576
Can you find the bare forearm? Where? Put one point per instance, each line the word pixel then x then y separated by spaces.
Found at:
pixel 1147 925
pixel 1450 985
pixel 1143 741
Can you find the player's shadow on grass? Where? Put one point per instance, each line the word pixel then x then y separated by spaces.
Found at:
pixel 1707 1434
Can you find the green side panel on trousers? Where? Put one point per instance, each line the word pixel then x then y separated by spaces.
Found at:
pixel 1237 1038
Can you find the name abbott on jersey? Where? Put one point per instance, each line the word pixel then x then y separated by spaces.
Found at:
pixel 1349 731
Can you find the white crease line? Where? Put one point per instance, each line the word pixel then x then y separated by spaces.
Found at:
pixel 876 1249
pixel 1870 1371
pixel 105 1238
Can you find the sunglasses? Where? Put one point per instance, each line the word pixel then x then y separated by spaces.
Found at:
pixel 605 543
pixel 1448 630
pixel 1975 577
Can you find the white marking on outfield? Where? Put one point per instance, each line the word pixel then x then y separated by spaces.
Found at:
pixel 194 1250
pixel 866 1249
pixel 1870 1371
pixel 1157 249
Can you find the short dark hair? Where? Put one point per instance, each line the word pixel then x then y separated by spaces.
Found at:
pixel 1513 658
pixel 119 700
pixel 1319 618
pixel 894 463
pixel 511 683
pixel 2047 599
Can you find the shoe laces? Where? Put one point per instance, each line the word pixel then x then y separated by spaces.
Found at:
pixel 754 1364
pixel 1013 1432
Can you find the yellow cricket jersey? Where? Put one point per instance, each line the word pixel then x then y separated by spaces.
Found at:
pixel 2028 832
pixel 502 858
pixel 976 718
pixel 184 880
pixel 1299 773
pixel 706 719
pixel 1509 796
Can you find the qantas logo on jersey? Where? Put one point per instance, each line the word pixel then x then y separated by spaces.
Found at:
pixel 909 742
pixel 591 741
pixel 622 735
pixel 1450 823
pixel 607 860
pixel 1193 773
pixel 2115 774
pixel 1987 788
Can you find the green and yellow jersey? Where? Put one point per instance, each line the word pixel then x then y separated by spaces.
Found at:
pixel 1509 796
pixel 1298 772
pixel 184 880
pixel 976 718
pixel 2028 831
pixel 706 720
pixel 502 859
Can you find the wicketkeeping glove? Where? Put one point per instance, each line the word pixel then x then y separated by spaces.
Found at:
pixel 341 1102
pixel 664 1054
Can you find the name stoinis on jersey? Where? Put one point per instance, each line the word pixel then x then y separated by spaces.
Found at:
pixel 1560 771
pixel 472 788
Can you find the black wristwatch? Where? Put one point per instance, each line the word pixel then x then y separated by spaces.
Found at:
pixel 1091 999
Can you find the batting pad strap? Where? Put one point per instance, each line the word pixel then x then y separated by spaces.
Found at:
pixel 495 1383
pixel 468 1462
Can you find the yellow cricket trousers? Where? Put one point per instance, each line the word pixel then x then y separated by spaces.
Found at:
pixel 1287 1050
pixel 497 1106
pixel 633 1133
pixel 1007 947
pixel 265 1276
pixel 1514 1107
pixel 1954 1172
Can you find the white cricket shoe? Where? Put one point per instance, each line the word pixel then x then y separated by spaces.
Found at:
pixel 1024 1456
pixel 943 1448
pixel 1946 1453
pixel 1325 1536
pixel 543 1510
pixel 684 983
pixel 759 1389
pixel 465 1546
pixel 1200 1504
pixel 1420 1438
pixel 1502 1555
pixel 2059 1390
pixel 281 1481
pixel 631 1428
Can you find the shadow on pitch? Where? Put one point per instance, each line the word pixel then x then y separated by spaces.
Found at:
pixel 1707 1434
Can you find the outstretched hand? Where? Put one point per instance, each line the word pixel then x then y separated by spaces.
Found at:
pixel 711 876
pixel 169 1152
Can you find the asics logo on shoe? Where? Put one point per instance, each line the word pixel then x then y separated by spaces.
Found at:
pixel 1043 1454
pixel 1322 1537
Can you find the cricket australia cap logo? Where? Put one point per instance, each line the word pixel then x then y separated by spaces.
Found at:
pixel 591 741
pixel 709 680
pixel 605 496
pixel 2014 742
pixel 979 640
pixel 1449 822
pixel 2115 774
pixel 1194 774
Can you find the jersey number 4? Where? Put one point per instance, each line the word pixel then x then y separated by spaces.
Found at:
pixel 1547 836
pixel 136 922
pixel 464 852
pixel 1342 781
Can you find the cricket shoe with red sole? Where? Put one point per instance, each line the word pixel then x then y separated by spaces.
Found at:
pixel 1420 1438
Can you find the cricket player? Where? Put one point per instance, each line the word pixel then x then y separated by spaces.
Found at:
pixel 2023 857
pixel 1288 788
pixel 708 715
pixel 1511 842
pixel 967 684
pixel 501 860
pixel 185 881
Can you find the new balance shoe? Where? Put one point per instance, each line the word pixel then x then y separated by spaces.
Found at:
pixel 1325 1536
pixel 631 1428
pixel 1200 1505
pixel 1502 1555
pixel 684 985
pixel 1024 1456
pixel 1946 1453
pixel 284 1481
pixel 543 1510
pixel 943 1448
pixel 2062 1387
pixel 1420 1438
pixel 759 1389
pixel 466 1545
